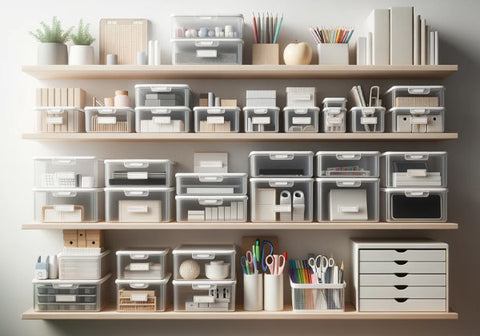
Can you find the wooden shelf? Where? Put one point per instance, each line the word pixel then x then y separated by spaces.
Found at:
pixel 241 226
pixel 233 137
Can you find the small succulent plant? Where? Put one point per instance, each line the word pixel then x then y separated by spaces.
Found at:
pixel 82 36
pixel 52 34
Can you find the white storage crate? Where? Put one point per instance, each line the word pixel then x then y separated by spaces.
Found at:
pixel 261 119
pixel 216 119
pixel 142 263
pixel 66 119
pixel 109 119
pixel 141 295
pixel 281 164
pixel 367 119
pixel 416 120
pixel 301 119
pixel 211 183
pixel 415 96
pixel 162 95
pixel 211 208
pixel 83 267
pixel 175 119
pixel 139 172
pixel 204 295
pixel 207 51
pixel 318 297
pixel 334 119
pixel 348 164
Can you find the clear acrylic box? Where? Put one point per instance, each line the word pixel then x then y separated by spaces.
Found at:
pixel 110 119
pixel 141 295
pixel 416 120
pixel 318 297
pixel 65 119
pixel 142 263
pixel 281 164
pixel 212 51
pixel 83 267
pixel 139 173
pixel 261 119
pixel 175 119
pixel 204 295
pixel 415 96
pixel 162 95
pixel 216 119
pixel 211 183
pixel 211 208
pixel 367 119
pixel 301 119
pixel 348 164
pixel 207 26
pixel 334 119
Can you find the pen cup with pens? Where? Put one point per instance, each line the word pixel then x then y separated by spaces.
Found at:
pixel 266 28
pixel 332 44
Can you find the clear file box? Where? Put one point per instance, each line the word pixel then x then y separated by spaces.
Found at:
pixel 204 263
pixel 211 183
pixel 281 199
pixel 142 263
pixel 261 119
pixel 207 26
pixel 65 119
pixel 141 295
pixel 416 120
pixel 334 119
pixel 216 119
pixel 211 208
pixel 109 119
pixel 301 119
pixel 68 172
pixel 318 297
pixel 162 95
pixel 175 119
pixel 414 169
pixel 83 267
pixel 207 51
pixel 348 199
pixel 348 164
pixel 301 96
pixel 414 204
pixel 367 119
pixel 70 295
pixel 335 102
pixel 204 295
pixel 68 205
pixel 415 96
pixel 139 205
pixel 281 164
pixel 133 172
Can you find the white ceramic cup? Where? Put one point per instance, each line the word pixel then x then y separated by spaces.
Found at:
pixel 217 270
pixel 273 299
pixel 253 292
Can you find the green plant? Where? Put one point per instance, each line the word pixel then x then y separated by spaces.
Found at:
pixel 53 33
pixel 83 36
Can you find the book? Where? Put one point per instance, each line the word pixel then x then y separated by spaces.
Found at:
pixel 362 51
pixel 379 23
pixel 369 49
pixel 416 39
pixel 436 49
pixel 401 35
pixel 423 42
pixel 431 48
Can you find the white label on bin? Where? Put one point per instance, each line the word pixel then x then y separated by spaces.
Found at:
pixel 261 120
pixel 334 121
pixel 162 120
pixel 137 209
pixel 54 120
pixel 207 53
pixel 211 164
pixel 64 207
pixel 301 120
pixel 349 209
pixel 215 120
pixel 368 120
pixel 65 298
pixel 419 120
pixel 137 175
pixel 139 297
pixel 139 267
pixel 306 97
pixel 107 120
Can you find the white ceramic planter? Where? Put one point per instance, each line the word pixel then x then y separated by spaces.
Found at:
pixel 80 54
pixel 52 53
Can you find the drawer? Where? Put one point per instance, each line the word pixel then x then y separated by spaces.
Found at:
pixel 403 279
pixel 415 96
pixel 141 264
pixel 402 254
pixel 211 208
pixel 403 267
pixel 403 291
pixel 416 120
pixel 141 295
pixel 403 305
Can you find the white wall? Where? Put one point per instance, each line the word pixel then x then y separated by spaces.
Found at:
pixel 458 24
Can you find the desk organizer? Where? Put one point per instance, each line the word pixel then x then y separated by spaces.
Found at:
pixel 66 119
pixel 204 295
pixel 174 119
pixel 216 119
pixel 261 119
pixel 416 120
pixel 266 53
pixel 415 96
pixel 69 295
pixel 68 172
pixel 109 119
pixel 211 208
pixel 333 53
pixel 68 204
pixel 301 119
pixel 348 164
pixel 301 96
pixel 334 119
pixel 281 164
pixel 72 266
pixel 142 264
pixel 318 297
pixel 366 119
pixel 207 27
pixel 141 295
pixel 211 184
pixel 138 173
pixel 162 95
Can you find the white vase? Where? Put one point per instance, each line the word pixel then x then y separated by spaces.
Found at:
pixel 80 54
pixel 52 53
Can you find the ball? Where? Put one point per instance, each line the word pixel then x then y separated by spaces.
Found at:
pixel 189 269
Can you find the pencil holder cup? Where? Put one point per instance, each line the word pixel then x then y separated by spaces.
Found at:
pixel 273 299
pixel 333 53
pixel 265 53
pixel 253 292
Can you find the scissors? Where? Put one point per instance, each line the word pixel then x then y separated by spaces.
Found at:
pixel 275 263
pixel 319 265
pixel 264 244
pixel 247 263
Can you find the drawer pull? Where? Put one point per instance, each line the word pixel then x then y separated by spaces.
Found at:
pixel 400 262
pixel 401 250
pixel 401 300
pixel 401 287
pixel 401 275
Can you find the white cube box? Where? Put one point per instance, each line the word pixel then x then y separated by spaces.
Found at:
pixel 211 183
pixel 318 297
pixel 339 102
pixel 281 163
pixel 281 199
pixel 415 96
pixel 141 295
pixel 73 266
pixel 211 208
pixel 414 169
pixel 260 98
pixel 68 172
pixel 162 95
pixel 366 119
pixel 301 96
pixel 139 205
pixel 66 119
pixel 204 263
pixel 348 164
pixel 207 51
pixel 301 119
pixel 416 120
pixel 139 172
pixel 216 119
pixel 175 119
pixel 261 119
pixel 334 119
pixel 109 119
pixel 414 204
pixel 68 205
pixel 142 263
pixel 204 296
pixel 348 199
pixel 207 26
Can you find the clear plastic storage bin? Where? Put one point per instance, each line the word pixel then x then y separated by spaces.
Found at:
pixel 415 96
pixel 68 204
pixel 348 199
pixel 367 119
pixel 301 119
pixel 162 95
pixel 175 119
pixel 281 164
pixel 68 172
pixel 415 204
pixel 414 169
pixel 204 263
pixel 207 26
pixel 204 295
pixel 70 295
pixel 281 199
pixel 334 119
pixel 109 119
pixel 207 51
pixel 133 172
pixel 139 205
pixel 261 119
pixel 142 263
pixel 141 295
pixel 416 120
pixel 211 183
pixel 60 120
pixel 348 164
pixel 216 119
pixel 82 267
pixel 318 297
pixel 211 208
pixel 335 102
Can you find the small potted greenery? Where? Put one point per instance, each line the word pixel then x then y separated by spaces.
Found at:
pixel 82 51
pixel 52 48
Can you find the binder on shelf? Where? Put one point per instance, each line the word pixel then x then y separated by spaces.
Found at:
pixel 401 35
pixel 379 26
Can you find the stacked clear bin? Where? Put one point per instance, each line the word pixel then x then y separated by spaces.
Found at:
pixel 217 119
pixel 281 186
pixel 367 119
pixel 204 278
pixel 415 186
pixel 301 113
pixel 142 279
pixel 109 119
pixel 139 191
pixel 60 119
pixel 348 186
pixel 334 115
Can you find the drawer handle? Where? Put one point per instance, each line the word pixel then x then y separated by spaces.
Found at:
pixel 401 300
pixel 401 250
pixel 400 262
pixel 401 287
pixel 401 275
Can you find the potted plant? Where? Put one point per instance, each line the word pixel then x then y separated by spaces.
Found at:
pixel 82 51
pixel 52 48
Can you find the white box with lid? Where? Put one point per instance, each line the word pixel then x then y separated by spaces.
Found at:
pixel 72 266
pixel 108 119
pixel 301 119
pixel 174 119
pixel 261 119
pixel 217 119
pixel 367 119
pixel 142 263
pixel 211 208
pixel 204 295
pixel 281 163
pixel 211 183
pixel 301 96
pixel 60 119
pixel 416 120
pixel 207 26
pixel 318 297
pixel 207 51
pixel 348 164
pixel 166 95
pixel 141 295
pixel 415 96
pixel 139 173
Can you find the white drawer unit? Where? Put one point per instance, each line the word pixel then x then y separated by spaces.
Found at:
pixel 139 172
pixel 211 208
pixel 141 295
pixel 348 164
pixel 83 267
pixel 174 119
pixel 214 184
pixel 110 119
pixel 66 119
pixel 334 119
pixel 416 120
pixel 366 119
pixel 281 164
pixel 216 119
pixel 415 96
pixel 207 51
pixel 261 119
pixel 204 295
pixel 301 119
pixel 162 95
pixel 142 263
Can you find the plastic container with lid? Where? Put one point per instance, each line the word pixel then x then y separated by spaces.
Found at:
pixel 141 295
pixel 217 119
pixel 211 183
pixel 281 163
pixel 66 119
pixel 82 267
pixel 261 119
pixel 121 99
pixel 109 119
pixel 207 51
pixel 367 119
pixel 191 208
pixel 416 120
pixel 172 119
pixel 348 164
pixel 139 172
pixel 301 119
pixel 415 96
pixel 162 95
pixel 206 296
pixel 142 263
pixel 207 26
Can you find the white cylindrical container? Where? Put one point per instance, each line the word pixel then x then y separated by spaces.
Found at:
pixel 273 299
pixel 80 55
pixel 253 292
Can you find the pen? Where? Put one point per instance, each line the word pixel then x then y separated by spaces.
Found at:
pixel 257 249
pixel 255 32
pixel 277 30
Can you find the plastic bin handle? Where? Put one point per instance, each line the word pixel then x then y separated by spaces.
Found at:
pixel 206 44
pixel 139 285
pixel 137 175
pixel 401 300
pixel 135 164
pixel 417 193
pixel 137 256
pixel 64 162
pixel 64 193
pixel 161 88
pixel 160 111
pixel 260 110
pixel 282 156
pixel 55 111
pixel 137 209
pixel 416 156
pixel 354 184
pixel 348 156
pixel 419 91
pixel 216 178
pixel 136 193
pixel 107 111
pixel 419 111
pixel 65 285
pixel 203 256
pixel 349 209
pixel 215 201
pixel 281 184
pixel 215 110
pixel 203 287
pixel 107 120
pixel 417 172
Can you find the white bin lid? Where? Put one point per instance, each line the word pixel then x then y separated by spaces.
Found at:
pixel 74 282
pixel 144 250
pixel 219 249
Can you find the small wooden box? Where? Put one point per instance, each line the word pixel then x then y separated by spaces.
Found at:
pixel 265 53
